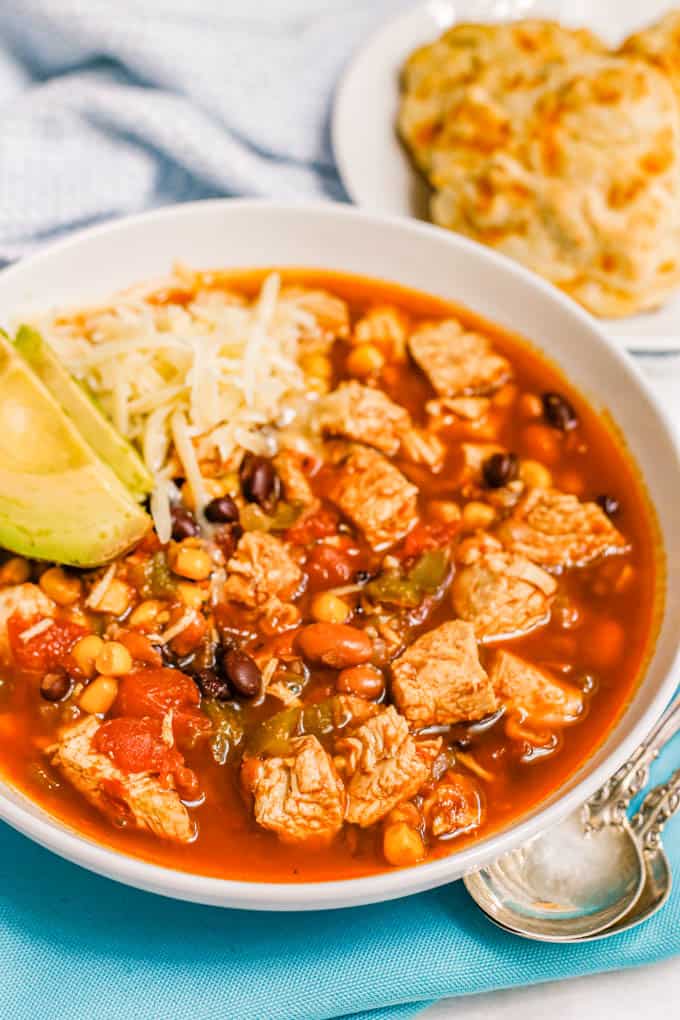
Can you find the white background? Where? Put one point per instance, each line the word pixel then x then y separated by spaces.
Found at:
pixel 638 994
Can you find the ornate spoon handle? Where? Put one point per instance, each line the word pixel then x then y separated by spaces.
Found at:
pixel 610 804
pixel 658 806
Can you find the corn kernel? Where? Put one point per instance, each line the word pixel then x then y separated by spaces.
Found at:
pixel 187 560
pixel 329 608
pixel 477 515
pixel 506 396
pixel 60 587
pixel 402 845
pixel 405 812
pixel 146 615
pixel 191 594
pixel 15 570
pixel 534 474
pixel 444 510
pixel 99 696
pixel 365 360
pixel 85 653
pixel 115 600
pixel 530 406
pixel 317 385
pixel 113 659
pixel 317 365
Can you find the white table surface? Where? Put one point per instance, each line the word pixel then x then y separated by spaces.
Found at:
pixel 652 991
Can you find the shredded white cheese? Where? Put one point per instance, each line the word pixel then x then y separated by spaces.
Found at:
pixel 194 380
pixel 101 587
pixel 37 628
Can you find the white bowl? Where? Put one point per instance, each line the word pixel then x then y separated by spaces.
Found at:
pixel 233 233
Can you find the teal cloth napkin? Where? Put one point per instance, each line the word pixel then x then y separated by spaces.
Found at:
pixel 73 945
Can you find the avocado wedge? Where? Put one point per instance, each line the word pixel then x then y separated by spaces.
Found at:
pixel 93 425
pixel 58 500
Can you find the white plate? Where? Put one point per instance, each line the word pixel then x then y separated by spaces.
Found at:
pixel 374 167
pixel 93 264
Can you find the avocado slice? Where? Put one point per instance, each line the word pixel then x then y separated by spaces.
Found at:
pixel 58 500
pixel 94 426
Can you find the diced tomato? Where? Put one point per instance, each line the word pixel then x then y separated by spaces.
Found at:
pixel 321 524
pixel 427 535
pixel 188 639
pixel 328 566
pixel 48 650
pixel 139 647
pixel 154 692
pixel 136 745
pixel 281 646
pixel 150 543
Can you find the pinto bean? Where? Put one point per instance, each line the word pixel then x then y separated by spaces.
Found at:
pixel 335 644
pixel 364 681
pixel 55 686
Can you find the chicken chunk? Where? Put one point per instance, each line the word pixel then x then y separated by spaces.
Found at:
pixel 555 529
pixel 535 700
pixel 138 799
pixel 386 326
pixel 439 680
pixel 383 765
pixel 29 601
pixel 422 446
pixel 261 569
pixel 299 796
pixel 375 495
pixel 364 414
pixel 457 362
pixel 296 487
pixel 318 314
pixel 503 595
pixel 465 408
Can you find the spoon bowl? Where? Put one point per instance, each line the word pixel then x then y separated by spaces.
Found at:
pixel 565 885
pixel 658 807
pixel 596 873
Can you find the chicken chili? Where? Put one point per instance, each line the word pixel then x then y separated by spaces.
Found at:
pixel 377 626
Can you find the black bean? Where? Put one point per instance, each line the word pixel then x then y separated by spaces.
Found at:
pixel 184 523
pixel 558 412
pixel 259 481
pixel 609 504
pixel 222 510
pixel 243 672
pixel 55 686
pixel 213 684
pixel 499 469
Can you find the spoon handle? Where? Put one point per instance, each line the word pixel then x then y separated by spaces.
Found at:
pixel 610 804
pixel 658 806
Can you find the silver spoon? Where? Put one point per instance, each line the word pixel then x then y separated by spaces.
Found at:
pixel 660 804
pixel 581 877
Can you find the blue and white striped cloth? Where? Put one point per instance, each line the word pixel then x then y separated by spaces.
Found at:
pixel 109 107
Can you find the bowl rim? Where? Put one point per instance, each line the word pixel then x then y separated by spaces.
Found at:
pixel 53 834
